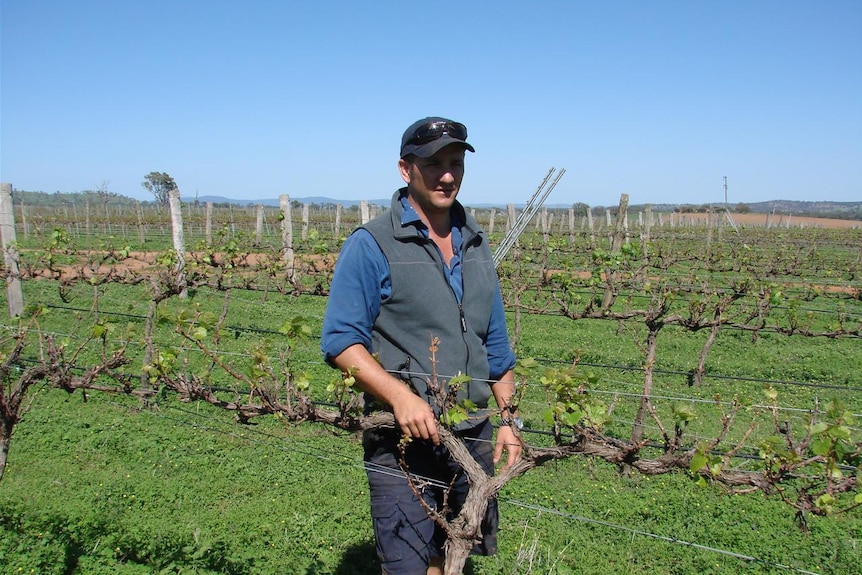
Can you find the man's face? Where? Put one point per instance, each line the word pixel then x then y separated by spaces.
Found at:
pixel 433 183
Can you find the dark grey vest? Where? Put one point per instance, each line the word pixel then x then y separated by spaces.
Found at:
pixel 423 306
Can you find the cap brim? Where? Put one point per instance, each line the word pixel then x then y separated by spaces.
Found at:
pixel 434 146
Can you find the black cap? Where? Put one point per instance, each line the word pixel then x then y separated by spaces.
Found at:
pixel 428 149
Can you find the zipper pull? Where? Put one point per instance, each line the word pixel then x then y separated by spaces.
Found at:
pixel 463 319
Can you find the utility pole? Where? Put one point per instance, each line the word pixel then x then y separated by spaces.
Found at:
pixel 725 192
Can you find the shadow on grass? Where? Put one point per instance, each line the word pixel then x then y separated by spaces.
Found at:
pixel 359 560
pixel 362 560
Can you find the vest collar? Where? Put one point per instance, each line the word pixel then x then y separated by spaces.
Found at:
pixel 406 222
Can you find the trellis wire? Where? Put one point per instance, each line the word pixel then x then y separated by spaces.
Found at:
pixel 249 329
pixel 342 459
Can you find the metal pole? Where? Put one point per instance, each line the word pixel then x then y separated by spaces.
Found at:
pixel 530 210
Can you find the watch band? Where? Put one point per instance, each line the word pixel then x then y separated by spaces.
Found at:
pixel 519 423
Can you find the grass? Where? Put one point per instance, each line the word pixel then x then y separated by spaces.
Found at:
pixel 174 490
pixel 104 486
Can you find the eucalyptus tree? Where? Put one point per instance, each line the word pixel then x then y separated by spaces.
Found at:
pixel 160 185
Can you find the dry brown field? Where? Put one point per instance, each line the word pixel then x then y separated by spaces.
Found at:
pixel 776 220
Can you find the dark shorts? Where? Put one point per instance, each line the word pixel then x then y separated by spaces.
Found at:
pixel 406 537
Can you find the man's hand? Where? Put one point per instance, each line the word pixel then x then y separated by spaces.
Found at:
pixel 508 442
pixel 415 417
pixel 412 414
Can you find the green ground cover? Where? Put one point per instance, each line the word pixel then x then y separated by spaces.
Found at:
pixel 102 486
pixel 106 486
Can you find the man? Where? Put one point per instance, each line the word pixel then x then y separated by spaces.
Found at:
pixel 423 270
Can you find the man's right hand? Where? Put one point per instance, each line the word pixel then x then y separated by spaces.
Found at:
pixel 412 414
pixel 415 416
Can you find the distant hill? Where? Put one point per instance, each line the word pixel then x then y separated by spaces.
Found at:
pixel 321 201
pixel 69 199
pixel 805 208
pixel 835 210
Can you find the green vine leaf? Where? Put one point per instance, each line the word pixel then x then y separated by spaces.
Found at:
pixel 697 462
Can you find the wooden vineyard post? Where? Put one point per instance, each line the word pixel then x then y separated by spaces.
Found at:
pixel 179 241
pixel 258 225
pixel 590 226
pixel 140 213
pixel 304 222
pixel 626 221
pixel 24 227
pixel 87 217
pixel 287 235
pixel 10 252
pixel 545 226
pixel 647 229
pixel 709 229
pixel 208 226
pixel 363 212
pixel 645 239
pixel 616 244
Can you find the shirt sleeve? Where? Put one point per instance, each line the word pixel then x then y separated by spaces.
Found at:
pixel 501 358
pixel 360 281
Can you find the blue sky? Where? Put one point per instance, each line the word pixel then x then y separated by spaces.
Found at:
pixel 248 100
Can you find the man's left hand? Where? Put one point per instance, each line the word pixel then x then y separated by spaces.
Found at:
pixel 507 441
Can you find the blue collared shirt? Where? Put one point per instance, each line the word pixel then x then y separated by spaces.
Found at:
pixel 362 281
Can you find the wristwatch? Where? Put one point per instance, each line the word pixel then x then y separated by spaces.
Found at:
pixel 519 423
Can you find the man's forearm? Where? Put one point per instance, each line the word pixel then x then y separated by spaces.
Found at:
pixel 370 375
pixel 507 436
pixel 504 394
pixel 413 415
